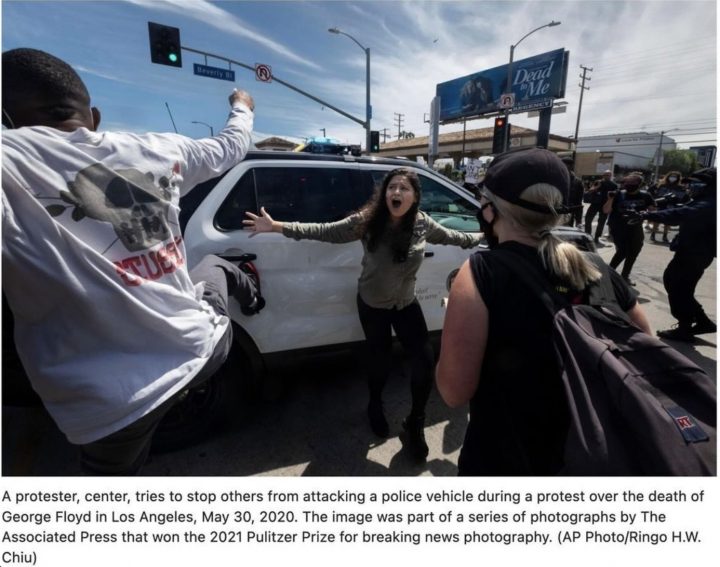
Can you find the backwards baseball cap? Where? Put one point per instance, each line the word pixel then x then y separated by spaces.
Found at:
pixel 514 171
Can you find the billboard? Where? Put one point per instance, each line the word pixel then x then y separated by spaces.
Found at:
pixel 536 82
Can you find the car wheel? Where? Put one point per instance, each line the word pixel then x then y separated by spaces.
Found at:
pixel 203 409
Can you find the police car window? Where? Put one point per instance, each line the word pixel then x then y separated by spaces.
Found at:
pixel 242 198
pixel 307 194
pixel 447 207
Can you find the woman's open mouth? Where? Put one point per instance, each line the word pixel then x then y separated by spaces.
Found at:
pixel 396 203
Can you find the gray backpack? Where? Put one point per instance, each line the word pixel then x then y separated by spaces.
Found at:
pixel 637 406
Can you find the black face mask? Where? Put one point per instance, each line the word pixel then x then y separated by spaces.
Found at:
pixel 486 227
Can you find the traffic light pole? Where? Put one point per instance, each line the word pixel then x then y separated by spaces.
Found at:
pixel 508 88
pixel 365 123
pixel 368 108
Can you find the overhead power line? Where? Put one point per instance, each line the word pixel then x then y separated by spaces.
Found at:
pixel 696 44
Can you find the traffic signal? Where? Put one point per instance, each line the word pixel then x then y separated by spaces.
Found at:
pixel 501 125
pixel 165 45
pixel 374 141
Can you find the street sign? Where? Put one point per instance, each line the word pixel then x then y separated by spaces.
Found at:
pixel 533 105
pixel 214 72
pixel 263 73
pixel 555 110
pixel 507 100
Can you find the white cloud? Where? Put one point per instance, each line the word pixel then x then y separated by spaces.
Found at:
pixel 213 15
pixel 654 63
pixel 86 70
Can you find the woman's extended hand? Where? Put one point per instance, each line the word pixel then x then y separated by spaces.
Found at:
pixel 262 223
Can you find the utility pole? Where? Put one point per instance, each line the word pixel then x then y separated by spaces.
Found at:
pixel 385 135
pixel 583 88
pixel 398 122
pixel 323 131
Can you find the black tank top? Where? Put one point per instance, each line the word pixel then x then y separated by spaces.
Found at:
pixel 518 416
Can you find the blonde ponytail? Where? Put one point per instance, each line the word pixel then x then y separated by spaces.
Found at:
pixel 560 258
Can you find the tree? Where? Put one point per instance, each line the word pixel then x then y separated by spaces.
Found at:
pixel 684 161
pixel 405 135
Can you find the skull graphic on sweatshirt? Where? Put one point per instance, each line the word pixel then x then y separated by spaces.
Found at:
pixel 131 201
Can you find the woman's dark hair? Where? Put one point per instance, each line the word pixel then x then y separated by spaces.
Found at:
pixel 377 216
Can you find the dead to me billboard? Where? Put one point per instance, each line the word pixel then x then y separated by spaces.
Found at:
pixel 536 82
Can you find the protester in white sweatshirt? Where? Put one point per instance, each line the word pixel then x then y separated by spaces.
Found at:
pixel 110 324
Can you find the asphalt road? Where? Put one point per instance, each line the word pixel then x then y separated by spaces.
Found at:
pixel 318 426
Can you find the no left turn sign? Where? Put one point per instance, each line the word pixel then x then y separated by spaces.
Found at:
pixel 507 100
pixel 263 73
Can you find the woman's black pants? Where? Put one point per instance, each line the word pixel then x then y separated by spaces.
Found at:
pixel 628 240
pixel 411 330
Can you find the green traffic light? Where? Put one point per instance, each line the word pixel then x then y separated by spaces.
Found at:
pixel 173 57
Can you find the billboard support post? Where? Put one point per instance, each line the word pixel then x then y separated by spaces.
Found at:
pixel 543 133
pixel 434 133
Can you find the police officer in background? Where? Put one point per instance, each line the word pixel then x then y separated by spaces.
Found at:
pixel 575 197
pixel 597 196
pixel 695 247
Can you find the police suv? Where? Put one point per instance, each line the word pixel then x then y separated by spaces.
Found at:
pixel 310 287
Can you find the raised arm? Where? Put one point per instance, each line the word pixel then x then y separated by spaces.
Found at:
pixel 209 157
pixel 464 338
pixel 346 230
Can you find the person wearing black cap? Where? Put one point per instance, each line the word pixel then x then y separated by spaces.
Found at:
pixel 695 247
pixel 497 350
pixel 575 196
pixel 628 236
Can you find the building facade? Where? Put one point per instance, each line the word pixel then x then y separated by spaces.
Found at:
pixel 620 152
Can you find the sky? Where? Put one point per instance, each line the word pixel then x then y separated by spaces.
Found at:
pixel 654 63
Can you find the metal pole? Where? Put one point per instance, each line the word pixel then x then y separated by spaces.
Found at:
pixel 171 117
pixel 212 132
pixel 509 75
pixel 368 108
pixel 659 157
pixel 506 137
pixel 583 88
pixel 284 83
